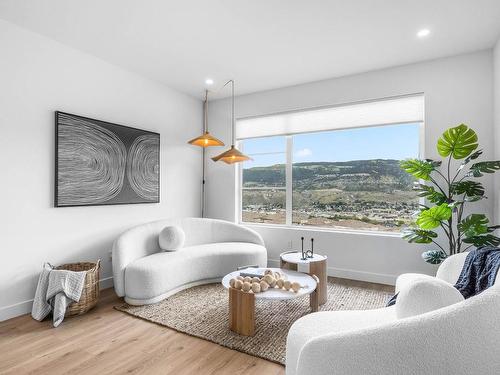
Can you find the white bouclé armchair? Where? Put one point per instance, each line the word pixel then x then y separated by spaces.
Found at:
pixel 462 338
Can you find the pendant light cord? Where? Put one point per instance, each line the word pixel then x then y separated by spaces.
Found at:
pixel 205 120
pixel 232 113
pixel 231 81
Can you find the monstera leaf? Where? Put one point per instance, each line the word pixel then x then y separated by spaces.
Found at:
pixel 459 141
pixel 418 168
pixel 472 156
pixel 474 225
pixel 416 235
pixel 434 256
pixel 430 193
pixel 469 188
pixel 432 217
pixel 478 169
pixel 487 239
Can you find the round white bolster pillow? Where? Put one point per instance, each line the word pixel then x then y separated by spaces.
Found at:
pixel 171 238
pixel 424 295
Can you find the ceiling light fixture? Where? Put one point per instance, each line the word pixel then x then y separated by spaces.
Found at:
pixel 206 139
pixel 423 33
pixel 209 81
pixel 233 155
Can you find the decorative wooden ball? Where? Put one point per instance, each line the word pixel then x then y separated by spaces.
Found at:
pixel 280 283
pixel 268 279
pixel 256 287
pixel 247 279
pixel 246 286
pixel 287 285
pixel 268 272
pixel 295 286
pixel 238 284
pixel 239 277
pixel 255 280
pixel 232 282
pixel 264 286
pixel 273 283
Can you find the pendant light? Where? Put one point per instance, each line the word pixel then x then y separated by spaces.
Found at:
pixel 233 155
pixel 206 139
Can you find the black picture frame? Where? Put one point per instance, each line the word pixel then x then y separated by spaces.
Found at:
pixel 125 138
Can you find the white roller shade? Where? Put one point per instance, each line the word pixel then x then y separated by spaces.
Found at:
pixel 380 112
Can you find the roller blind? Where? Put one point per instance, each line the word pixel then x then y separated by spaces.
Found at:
pixel 378 112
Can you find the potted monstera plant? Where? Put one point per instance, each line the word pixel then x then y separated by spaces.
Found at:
pixel 448 190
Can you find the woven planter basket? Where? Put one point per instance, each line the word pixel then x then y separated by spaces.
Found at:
pixel 90 292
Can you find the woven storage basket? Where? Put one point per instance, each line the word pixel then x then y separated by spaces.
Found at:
pixel 90 292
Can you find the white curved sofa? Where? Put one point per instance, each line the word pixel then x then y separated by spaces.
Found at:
pixel 463 338
pixel 144 274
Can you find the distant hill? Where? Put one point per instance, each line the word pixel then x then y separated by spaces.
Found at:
pixel 382 175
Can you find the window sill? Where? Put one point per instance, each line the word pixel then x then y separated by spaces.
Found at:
pixel 322 229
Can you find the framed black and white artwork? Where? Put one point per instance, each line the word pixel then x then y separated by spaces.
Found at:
pixel 100 163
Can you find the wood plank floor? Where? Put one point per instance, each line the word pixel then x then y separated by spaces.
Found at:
pixel 106 341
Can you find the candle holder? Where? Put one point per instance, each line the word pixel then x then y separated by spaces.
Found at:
pixel 304 254
pixel 310 253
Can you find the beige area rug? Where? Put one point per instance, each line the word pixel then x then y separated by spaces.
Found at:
pixel 203 312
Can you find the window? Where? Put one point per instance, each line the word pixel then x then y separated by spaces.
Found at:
pixel 345 178
pixel 264 181
pixel 351 178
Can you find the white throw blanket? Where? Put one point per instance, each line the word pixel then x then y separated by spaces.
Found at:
pixel 56 289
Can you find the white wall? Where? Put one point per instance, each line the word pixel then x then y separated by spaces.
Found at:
pixel 496 126
pixel 457 90
pixel 37 77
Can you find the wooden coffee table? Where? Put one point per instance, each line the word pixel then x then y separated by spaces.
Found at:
pixel 242 304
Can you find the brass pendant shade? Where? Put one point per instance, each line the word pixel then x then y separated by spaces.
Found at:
pixel 206 140
pixel 233 155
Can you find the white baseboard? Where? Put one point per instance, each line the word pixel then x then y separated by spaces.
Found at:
pixel 106 283
pixel 17 309
pixel 22 308
pixel 344 273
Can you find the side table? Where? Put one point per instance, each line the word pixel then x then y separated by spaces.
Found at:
pixel 317 266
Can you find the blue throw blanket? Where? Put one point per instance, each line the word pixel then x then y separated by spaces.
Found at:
pixel 478 273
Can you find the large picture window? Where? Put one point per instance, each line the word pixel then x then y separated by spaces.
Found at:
pixel 341 179
pixel 264 181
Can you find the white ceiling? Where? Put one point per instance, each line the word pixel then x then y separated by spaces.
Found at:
pixel 262 44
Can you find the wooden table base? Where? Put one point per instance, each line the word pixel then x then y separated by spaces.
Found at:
pixel 318 268
pixel 314 300
pixel 241 312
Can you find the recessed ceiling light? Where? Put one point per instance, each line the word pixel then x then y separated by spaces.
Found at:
pixel 423 33
pixel 209 81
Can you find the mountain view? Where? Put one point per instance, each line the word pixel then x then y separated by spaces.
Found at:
pixel 360 194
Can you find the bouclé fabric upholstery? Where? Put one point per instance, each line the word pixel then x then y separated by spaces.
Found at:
pixel 171 238
pixel 144 274
pixel 425 295
pixel 460 339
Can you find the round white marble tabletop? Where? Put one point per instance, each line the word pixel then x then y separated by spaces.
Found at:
pixel 296 257
pixel 308 283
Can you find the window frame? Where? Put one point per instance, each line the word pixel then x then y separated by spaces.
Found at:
pixel 289 185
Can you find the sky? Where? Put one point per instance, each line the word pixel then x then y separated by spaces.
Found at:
pixel 381 142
